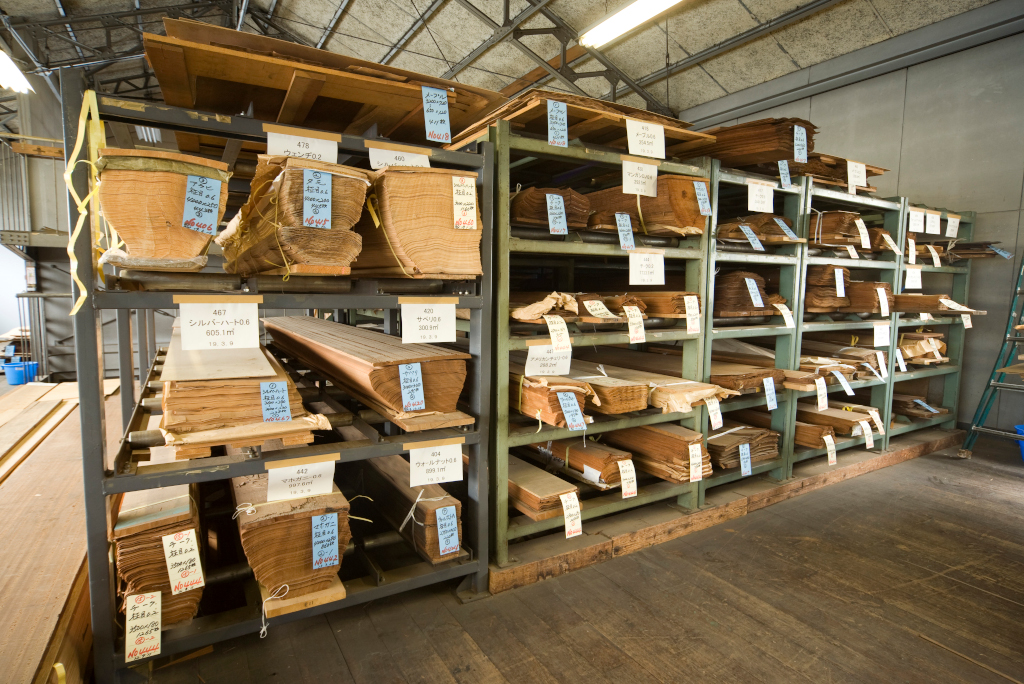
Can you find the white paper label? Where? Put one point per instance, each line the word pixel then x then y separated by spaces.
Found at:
pixel 852 251
pixel 755 294
pixel 830 445
pixel 636 325
pixel 787 315
pixel 900 361
pixel 869 439
pixel 911 250
pixel 591 474
pixel 752 238
pixel 882 365
pixel 181 553
pixel 932 223
pixel 881 335
pixel 302 147
pixel 935 256
pixel 296 482
pixel 865 238
pixel 571 411
pixel 556 215
pixel 624 225
pixel 784 178
pixel 952 226
pixel 692 314
pixel 926 316
pixel 646 268
pixel 913 278
pixel 785 229
pixel 745 460
pixel 840 283
pixel 842 381
pixel 447 530
pixel 883 301
pixel 819 386
pixel 645 139
pixel 382 159
pixel 627 474
pixel 220 325
pixel 142 626
pixel 325 541
pixel 890 242
pixel 703 199
pixel 876 418
pixel 639 178
pixel 436 464
pixel 799 144
pixel 714 412
pixel 696 463
pixel 428 323
pixel 542 359
pixel 916 221
pixel 769 393
pixel 856 175
pixel 966 319
pixel 873 371
pixel 560 340
pixel 464 202
pixel 760 196
pixel 558 124
pixel 573 515
pixel 596 308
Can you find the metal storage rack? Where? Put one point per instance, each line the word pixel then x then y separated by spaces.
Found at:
pixel 515 152
pixel 106 477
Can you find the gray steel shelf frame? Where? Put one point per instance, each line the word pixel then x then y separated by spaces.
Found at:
pixel 99 483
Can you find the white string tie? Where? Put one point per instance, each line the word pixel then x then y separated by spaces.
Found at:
pixel 246 508
pixel 263 629
pixel 412 511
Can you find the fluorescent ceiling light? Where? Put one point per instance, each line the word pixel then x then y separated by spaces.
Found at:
pixel 625 20
pixel 11 76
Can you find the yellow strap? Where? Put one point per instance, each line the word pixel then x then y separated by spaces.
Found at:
pixel 920 329
pixel 853 340
pixel 641 214
pixel 371 199
pixel 62 677
pixel 88 106
pixel 899 342
pixel 522 378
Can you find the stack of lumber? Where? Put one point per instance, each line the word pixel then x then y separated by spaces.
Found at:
pixel 922 348
pixel 534 491
pixel 754 142
pixel 906 405
pixel 592 461
pixel 271 232
pixel 820 293
pixel 928 303
pixel 823 168
pixel 387 483
pixel 411 231
pixel 957 250
pixel 733 298
pixel 365 363
pixel 616 303
pixel 878 241
pixel 590 120
pixel 667 303
pixel 764 226
pixel 213 69
pixel 537 395
pixel 807 434
pixel 834 228
pixel 921 252
pixel 673 212
pixel 143 519
pixel 728 352
pixel 742 376
pixel 530 207
pixel 611 394
pixel 277 536
pixel 864 298
pixel 662 450
pixel 842 421
pixel 724 444
pixel 858 356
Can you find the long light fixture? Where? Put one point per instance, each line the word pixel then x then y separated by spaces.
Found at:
pixel 623 21
pixel 11 76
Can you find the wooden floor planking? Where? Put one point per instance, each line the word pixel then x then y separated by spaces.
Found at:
pixel 838 585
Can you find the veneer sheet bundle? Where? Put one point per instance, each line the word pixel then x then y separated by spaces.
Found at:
pixel 671 303
pixel 834 229
pixel 733 295
pixel 537 396
pixel 529 207
pixel 923 348
pixel 907 405
pixel 674 212
pixel 865 298
pixel 929 303
pixel 823 168
pixel 593 461
pixel 662 450
pixel 535 492
pixel 807 434
pixel 724 444
pixel 844 422
pixel 765 226
pixel 610 394
pixel 858 356
pixel 754 142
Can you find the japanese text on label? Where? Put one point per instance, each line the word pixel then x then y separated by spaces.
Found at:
pixel 645 139
pixel 447 531
pixel 464 202
pixel 573 515
pixel 316 199
pixel 556 215
pixel 558 124
pixel 571 410
pixel 429 323
pixel 181 553
pixel 639 178
pixel 202 204
pixel 274 402
pixel 542 359
pixel 646 268
pixel 302 147
pixel 435 464
pixel 142 626
pixel 410 376
pixel 295 482
pixel 435 114
pixel 624 225
pixel 219 325
pixel 325 540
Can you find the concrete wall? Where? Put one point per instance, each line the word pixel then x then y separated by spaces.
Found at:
pixel 952 132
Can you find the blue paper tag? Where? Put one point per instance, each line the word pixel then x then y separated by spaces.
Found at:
pixel 1001 252
pixel 785 229
pixel 447 530
pixel 558 124
pixel 411 379
pixel 202 204
pixel 571 411
pixel 325 541
pixel 625 227
pixel 784 173
pixel 274 399
pixel 924 405
pixel 316 199
pixel 9 350
pixel 745 460
pixel 556 215
pixel 435 114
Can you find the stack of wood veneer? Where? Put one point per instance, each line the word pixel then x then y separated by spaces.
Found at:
pixel 530 207
pixel 807 434
pixel 662 450
pixel 536 396
pixel 673 212
pixel 724 444
pixel 535 492
pixel 754 142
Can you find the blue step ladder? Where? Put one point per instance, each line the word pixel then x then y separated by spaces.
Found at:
pixel 1014 336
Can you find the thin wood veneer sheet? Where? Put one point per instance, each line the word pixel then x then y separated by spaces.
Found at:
pixel 530 207
pixel 906 405
pixel 675 211
pixel 732 296
pixel 585 456
pixel 613 395
pixel 662 450
pixel 535 492
pixel 754 142
pixel 212 364
pixel 536 396
pixel 366 363
pixel 724 444
pixel 807 434
pixel 764 226
pixel 277 537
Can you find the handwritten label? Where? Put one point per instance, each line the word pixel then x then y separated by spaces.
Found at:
pixel 865 238
pixel 181 553
pixel 932 223
pixel 703 199
pixel 542 359
pixel 428 323
pixel 787 315
pixel 935 256
pixel 464 202
pixel 890 243
pixel 876 418
pixel 880 359
pixel 435 114
pixel 781 223
pixel 916 221
pixel 202 204
pixel 819 386
pixel 696 463
pixel 571 410
pixel 881 335
pixel 799 144
pixel 639 178
pixel 752 238
pixel 865 428
pixel 302 147
pixel 852 251
pixel 560 340
pixel 627 475
pixel 9 350
pixel 952 225
pixel 556 215
pixel 635 321
pixel 900 361
pixel 840 283
pixel 883 301
pixel 925 406
pixel 316 199
pixel 624 225
pixel 219 325
pixel 913 281
pixel 274 402
pixel 692 314
pixel 382 159
pixel 787 182
pixel 1001 252
pixel 447 530
pixel 714 412
pixel 645 139
pixel 573 515
pixel 856 175
pixel 842 381
pixel 745 460
pixel 760 196
pixel 926 316
pixel 325 541
pixel 411 378
pixel 911 250
pixel 830 446
pixel 295 482
pixel 142 626
pixel 646 268
pixel 597 308
pixel 435 464
pixel 769 393
pixel 558 124
pixel 754 292
pixel 966 320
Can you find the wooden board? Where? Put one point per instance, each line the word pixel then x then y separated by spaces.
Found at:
pixel 212 364
pixel 283 606
pixel 148 508
pixel 540 484
pixel 68 391
pixel 71 643
pixel 21 397
pixel 38 150
pixel 12 458
pixel 310 269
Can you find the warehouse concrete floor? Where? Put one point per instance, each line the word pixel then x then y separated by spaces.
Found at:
pixel 913 573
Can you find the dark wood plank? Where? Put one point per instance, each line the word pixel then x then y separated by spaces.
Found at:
pixel 409 647
pixel 302 93
pixel 368 658
pixel 227 663
pixel 319 656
